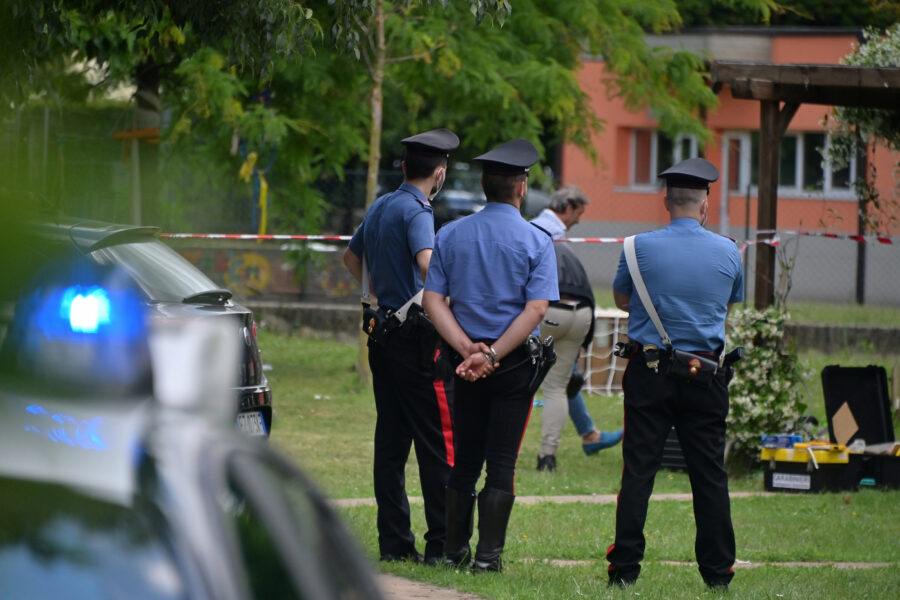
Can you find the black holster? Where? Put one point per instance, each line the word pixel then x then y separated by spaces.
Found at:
pixel 542 356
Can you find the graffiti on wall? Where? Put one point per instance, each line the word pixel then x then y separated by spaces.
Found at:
pixel 263 272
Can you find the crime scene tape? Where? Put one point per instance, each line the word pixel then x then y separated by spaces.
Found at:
pixel 825 234
pixel 328 238
pixel 772 241
pixel 253 236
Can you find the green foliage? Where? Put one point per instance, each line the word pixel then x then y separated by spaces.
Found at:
pixel 834 13
pixel 766 393
pixel 120 34
pixel 853 128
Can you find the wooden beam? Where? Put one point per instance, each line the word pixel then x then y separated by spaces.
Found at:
pixel 833 85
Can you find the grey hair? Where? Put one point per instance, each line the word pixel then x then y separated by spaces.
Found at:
pixel 567 196
pixel 679 196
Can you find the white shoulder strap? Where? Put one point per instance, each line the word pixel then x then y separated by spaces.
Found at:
pixel 635 270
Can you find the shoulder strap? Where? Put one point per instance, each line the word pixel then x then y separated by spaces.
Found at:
pixel 635 271
pixel 541 228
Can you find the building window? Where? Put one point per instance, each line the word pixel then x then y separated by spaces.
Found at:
pixel 652 151
pixel 801 168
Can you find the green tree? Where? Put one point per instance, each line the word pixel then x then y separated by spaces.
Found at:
pixel 855 128
pixel 147 44
pixel 834 13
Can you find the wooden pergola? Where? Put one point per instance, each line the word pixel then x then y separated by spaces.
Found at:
pixel 780 90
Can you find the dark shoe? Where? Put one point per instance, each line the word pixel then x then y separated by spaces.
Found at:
pixel 607 440
pixel 460 516
pixel 494 508
pixel 717 586
pixel 433 561
pixel 623 577
pixel 407 556
pixel 546 463
pixel 576 382
pixel 621 582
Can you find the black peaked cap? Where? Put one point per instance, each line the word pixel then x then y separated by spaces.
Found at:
pixel 511 158
pixel 437 141
pixel 691 173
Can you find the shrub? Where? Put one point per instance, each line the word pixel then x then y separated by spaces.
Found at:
pixel 766 392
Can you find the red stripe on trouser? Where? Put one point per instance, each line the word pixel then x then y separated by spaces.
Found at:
pixel 446 423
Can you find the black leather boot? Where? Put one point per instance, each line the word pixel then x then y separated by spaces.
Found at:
pixel 494 507
pixel 460 507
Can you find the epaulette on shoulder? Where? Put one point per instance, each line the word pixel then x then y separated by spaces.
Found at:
pixel 726 236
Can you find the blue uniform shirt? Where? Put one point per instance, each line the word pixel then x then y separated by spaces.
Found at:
pixel 396 227
pixel 490 264
pixel 691 275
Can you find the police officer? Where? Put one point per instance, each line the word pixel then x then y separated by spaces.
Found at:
pixel 693 276
pixel 499 273
pixel 570 321
pixel 396 238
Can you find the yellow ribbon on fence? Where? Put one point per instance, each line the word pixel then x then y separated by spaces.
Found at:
pixel 247 168
pixel 263 192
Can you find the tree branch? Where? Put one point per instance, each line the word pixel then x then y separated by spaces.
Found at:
pixel 421 55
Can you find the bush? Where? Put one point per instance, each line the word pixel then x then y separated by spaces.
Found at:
pixel 766 392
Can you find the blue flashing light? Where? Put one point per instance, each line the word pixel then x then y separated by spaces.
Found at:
pixel 85 310
pixel 78 313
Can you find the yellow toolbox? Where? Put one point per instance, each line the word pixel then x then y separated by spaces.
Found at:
pixel 807 467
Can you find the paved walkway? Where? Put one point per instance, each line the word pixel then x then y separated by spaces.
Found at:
pixel 398 588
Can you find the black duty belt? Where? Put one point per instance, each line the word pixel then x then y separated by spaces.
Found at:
pixel 576 306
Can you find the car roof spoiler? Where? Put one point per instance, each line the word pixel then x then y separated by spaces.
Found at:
pixel 89 236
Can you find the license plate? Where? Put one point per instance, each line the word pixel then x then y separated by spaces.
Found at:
pixel 251 423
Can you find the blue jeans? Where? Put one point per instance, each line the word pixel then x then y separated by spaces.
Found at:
pixel 578 412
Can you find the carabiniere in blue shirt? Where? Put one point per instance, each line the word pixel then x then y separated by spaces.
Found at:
pixel 497 235
pixel 396 227
pixel 691 275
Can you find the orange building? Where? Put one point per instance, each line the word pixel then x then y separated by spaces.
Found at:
pixel 623 186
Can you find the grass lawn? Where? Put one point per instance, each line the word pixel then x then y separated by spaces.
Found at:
pixel 325 419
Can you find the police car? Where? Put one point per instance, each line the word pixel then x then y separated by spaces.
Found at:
pixel 172 288
pixel 121 473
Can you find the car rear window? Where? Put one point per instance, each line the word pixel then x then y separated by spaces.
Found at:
pixel 163 274
pixel 56 543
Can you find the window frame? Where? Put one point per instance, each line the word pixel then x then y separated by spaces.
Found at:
pixel 655 168
pixel 745 161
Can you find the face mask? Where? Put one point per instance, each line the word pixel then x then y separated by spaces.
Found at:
pixel 438 185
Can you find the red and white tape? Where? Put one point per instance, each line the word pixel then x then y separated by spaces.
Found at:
pixel 252 236
pixel 773 241
pixel 826 234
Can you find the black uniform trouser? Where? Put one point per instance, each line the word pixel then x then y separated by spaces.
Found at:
pixel 490 416
pixel 412 408
pixel 653 404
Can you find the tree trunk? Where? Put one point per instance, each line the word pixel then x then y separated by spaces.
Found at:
pixel 147 115
pixel 376 100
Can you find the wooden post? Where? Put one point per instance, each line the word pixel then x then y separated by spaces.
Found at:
pixel 772 125
pixel 863 165
pixel 769 147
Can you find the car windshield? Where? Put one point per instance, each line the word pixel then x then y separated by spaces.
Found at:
pixel 163 274
pixel 55 543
